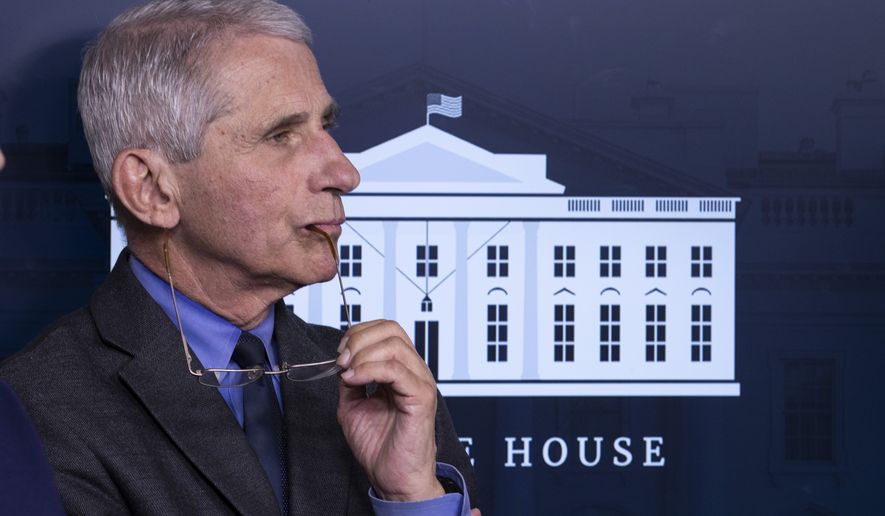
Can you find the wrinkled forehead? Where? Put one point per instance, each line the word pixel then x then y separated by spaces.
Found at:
pixel 259 77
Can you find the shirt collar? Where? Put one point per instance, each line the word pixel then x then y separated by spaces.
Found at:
pixel 211 337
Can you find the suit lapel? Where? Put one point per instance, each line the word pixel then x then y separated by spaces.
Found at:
pixel 320 462
pixel 195 417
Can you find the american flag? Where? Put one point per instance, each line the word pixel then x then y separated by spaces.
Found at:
pixel 443 105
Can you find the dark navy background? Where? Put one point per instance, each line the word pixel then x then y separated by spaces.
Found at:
pixel 780 103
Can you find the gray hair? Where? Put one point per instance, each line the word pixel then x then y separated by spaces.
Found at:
pixel 147 82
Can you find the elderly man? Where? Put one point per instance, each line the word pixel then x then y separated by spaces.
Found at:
pixel 181 388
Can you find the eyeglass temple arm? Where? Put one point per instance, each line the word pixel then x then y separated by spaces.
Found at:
pixel 187 352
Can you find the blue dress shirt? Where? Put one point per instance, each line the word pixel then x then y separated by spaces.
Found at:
pixel 213 339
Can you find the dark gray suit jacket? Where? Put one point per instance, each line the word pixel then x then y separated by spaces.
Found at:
pixel 128 430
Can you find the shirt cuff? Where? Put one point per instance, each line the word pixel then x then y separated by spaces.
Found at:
pixel 452 504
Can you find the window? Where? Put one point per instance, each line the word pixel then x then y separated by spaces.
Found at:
pixel 809 409
pixel 356 315
pixel 655 333
pixel 497 257
pixel 610 333
pixel 426 304
pixel 496 334
pixel 427 261
pixel 701 327
pixel 350 259
pixel 610 261
pixel 701 261
pixel 564 261
pixel 564 333
pixel 655 261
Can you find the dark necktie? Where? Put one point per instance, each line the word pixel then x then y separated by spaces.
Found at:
pixel 262 420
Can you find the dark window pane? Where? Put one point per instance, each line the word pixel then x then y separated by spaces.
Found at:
pixel 345 269
pixel 649 253
pixel 708 270
pixel 491 252
pixel 695 313
pixel 603 253
pixel 707 312
pixel 503 270
pixel 603 270
pixel 616 312
pixel 491 270
pixel 695 333
pixel 616 333
pixel 569 353
pixel 557 270
pixel 420 271
pixel 616 270
pixel 616 353
pixel 490 353
pixel 695 353
pixel 491 333
pixel 557 252
pixel 570 333
pixel 707 353
pixel 695 270
pixel 557 353
pixel 357 269
pixel 344 253
pixel 557 333
pixel 649 313
pixel 504 252
pixel 421 252
pixel 557 313
pixel 570 270
pixel 603 333
pixel 662 313
pixel 649 270
pixel 708 253
pixel 649 353
pixel 649 332
pixel 603 353
pixel 432 269
pixel 356 313
pixel 662 353
pixel 603 313
pixel 662 270
pixel 662 253
pixel 502 353
pixel 433 252
pixel 502 333
pixel 491 313
pixel 695 253
pixel 357 252
pixel 707 329
pixel 502 312
pixel 570 252
pixel 662 333
pixel 569 312
pixel 616 252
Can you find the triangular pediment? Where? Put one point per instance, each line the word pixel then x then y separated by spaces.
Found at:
pixel 429 160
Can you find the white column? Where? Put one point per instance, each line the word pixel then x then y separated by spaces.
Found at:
pixel 530 320
pixel 389 277
pixel 461 371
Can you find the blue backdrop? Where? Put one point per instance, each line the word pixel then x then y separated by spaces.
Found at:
pixel 779 103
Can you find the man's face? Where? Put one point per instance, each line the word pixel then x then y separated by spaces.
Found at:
pixel 269 168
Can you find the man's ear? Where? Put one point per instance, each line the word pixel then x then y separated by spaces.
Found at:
pixel 144 182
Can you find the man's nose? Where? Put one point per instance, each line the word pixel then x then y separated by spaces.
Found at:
pixel 339 173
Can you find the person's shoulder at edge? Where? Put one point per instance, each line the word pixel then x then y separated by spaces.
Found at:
pixel 28 486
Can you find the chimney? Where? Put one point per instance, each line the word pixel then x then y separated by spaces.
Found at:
pixel 860 125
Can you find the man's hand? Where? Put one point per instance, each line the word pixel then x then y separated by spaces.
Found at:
pixel 391 432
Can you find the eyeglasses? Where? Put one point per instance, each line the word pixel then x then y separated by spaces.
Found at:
pixel 223 378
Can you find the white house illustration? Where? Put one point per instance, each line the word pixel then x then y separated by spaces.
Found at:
pixel 510 288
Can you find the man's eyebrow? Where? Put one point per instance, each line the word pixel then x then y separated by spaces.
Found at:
pixel 331 112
